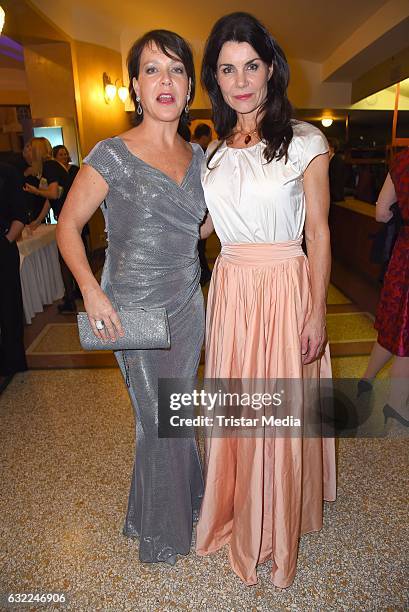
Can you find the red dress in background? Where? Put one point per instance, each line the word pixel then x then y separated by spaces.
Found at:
pixel 392 316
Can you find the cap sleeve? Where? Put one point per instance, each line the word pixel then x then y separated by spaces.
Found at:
pixel 105 160
pixel 315 144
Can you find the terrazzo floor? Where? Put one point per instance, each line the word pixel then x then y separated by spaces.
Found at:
pixel 67 448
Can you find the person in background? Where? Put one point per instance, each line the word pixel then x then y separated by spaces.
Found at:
pixel 53 184
pixel 202 136
pixel 62 155
pixel 392 315
pixel 12 221
pixel 52 177
pixel 337 172
pixel 36 205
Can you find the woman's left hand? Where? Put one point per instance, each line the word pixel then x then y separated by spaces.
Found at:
pixel 313 338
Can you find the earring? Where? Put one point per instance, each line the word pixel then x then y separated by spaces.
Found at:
pixel 139 108
pixel 188 96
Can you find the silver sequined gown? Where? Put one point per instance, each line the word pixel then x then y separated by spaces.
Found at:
pixel 152 260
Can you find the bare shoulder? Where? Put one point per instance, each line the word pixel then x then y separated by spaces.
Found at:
pixel 129 135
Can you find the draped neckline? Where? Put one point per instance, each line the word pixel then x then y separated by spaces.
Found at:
pixel 160 172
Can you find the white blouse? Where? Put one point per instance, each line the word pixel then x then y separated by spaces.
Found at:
pixel 251 200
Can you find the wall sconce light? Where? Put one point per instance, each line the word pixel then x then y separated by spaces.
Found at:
pixel 327 121
pixel 110 89
pixel 2 18
pixel 123 93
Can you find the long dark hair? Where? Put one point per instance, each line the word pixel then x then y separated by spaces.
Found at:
pixel 172 45
pixel 275 126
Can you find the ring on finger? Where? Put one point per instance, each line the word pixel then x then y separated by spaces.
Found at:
pixel 99 324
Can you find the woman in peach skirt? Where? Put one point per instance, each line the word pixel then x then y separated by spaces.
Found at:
pixel 264 180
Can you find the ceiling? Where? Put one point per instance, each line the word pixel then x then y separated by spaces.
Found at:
pixel 306 29
pixel 309 30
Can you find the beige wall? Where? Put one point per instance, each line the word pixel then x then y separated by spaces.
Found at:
pixel 96 119
pixel 307 90
pixel 49 78
pixel 13 86
pixel 14 96
pixel 9 140
pixel 65 80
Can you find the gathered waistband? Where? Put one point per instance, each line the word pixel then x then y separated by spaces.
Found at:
pixel 255 253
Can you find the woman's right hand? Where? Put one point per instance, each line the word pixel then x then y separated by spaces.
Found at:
pixel 99 308
pixel 30 189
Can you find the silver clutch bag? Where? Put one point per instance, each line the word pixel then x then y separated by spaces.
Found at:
pixel 145 328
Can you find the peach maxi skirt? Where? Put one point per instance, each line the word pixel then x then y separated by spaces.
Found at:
pixel 262 493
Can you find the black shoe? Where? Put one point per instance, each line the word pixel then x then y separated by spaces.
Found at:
pixel 364 386
pixel 389 412
pixel 67 307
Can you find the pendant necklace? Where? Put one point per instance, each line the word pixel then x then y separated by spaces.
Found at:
pixel 247 136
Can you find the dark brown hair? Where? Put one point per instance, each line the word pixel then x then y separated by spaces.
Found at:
pixel 275 126
pixel 172 45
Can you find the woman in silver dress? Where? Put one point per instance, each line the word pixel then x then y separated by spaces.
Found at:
pixel 149 179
